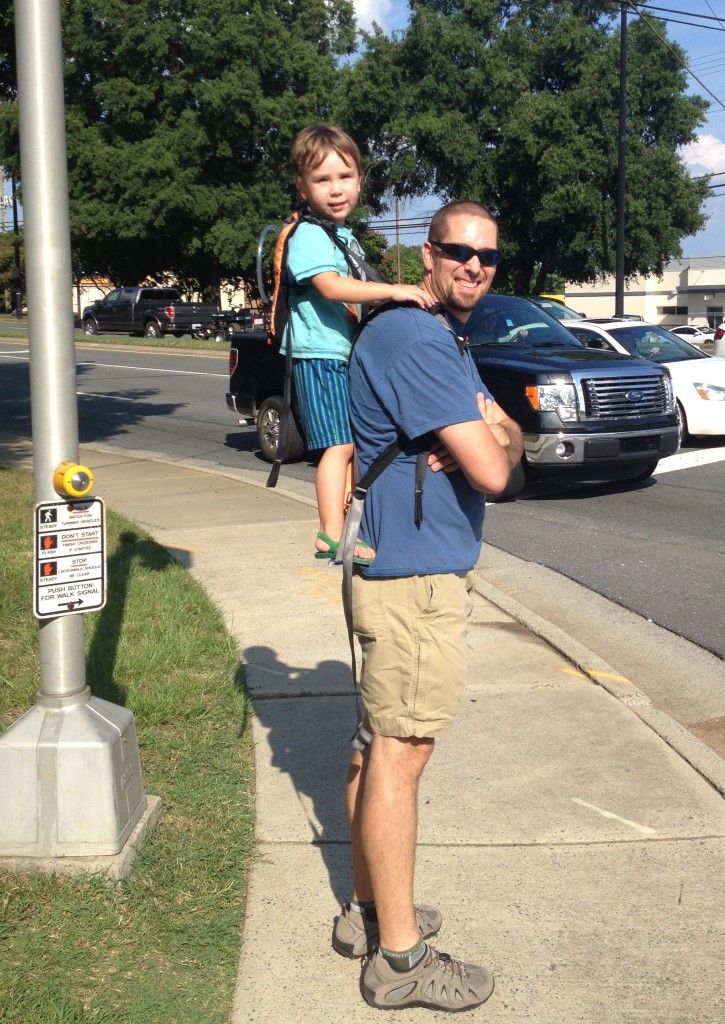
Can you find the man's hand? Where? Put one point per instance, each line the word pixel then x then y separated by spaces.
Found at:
pixel 505 431
pixel 440 459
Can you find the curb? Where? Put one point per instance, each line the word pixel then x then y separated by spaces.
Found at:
pixel 692 750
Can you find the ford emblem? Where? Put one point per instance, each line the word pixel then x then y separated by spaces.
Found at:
pixel 634 396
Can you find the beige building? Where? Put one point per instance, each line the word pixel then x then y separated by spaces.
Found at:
pixel 691 291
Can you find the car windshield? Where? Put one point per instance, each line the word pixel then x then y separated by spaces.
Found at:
pixel 656 344
pixel 506 320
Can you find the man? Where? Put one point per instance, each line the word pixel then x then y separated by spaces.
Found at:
pixel 411 377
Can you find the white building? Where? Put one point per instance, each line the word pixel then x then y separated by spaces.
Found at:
pixel 691 291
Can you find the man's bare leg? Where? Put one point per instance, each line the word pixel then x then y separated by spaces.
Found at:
pixel 387 812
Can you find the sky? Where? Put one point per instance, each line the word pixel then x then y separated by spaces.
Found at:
pixel 704 42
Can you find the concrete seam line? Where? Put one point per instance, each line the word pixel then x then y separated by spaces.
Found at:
pixel 700 757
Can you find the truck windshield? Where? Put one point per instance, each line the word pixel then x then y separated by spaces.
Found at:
pixel 507 320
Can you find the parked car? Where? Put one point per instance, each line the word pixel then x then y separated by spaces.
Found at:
pixel 697 377
pixel 554 308
pixel 691 332
pixel 719 332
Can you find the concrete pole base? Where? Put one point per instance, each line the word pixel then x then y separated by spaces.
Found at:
pixel 71 779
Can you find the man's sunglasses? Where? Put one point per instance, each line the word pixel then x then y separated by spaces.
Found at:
pixel 463 253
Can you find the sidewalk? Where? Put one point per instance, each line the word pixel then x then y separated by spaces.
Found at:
pixel 569 847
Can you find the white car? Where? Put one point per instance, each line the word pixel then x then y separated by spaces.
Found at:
pixel 693 333
pixel 698 378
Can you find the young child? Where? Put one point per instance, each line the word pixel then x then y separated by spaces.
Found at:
pixel 329 171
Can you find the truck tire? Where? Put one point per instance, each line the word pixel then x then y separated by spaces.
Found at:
pixel 89 327
pixel 268 420
pixel 220 335
pixel 515 485
pixel 153 330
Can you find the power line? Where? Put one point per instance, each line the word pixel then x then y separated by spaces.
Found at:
pixel 688 14
pixel 648 22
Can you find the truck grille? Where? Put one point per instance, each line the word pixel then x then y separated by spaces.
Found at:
pixel 624 397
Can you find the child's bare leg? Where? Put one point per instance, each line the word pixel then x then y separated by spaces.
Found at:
pixel 330 485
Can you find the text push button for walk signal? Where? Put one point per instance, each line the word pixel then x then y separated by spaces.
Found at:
pixel 70 557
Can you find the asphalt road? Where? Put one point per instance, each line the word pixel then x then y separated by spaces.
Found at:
pixel 623 568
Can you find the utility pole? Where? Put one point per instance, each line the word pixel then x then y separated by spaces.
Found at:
pixel 621 163
pixel 70 767
pixel 16 247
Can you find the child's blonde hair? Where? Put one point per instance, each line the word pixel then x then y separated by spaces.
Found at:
pixel 313 144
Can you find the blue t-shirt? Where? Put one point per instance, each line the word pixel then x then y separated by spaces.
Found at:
pixel 408 377
pixel 321 329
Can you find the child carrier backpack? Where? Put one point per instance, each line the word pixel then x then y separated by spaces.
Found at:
pixel 280 323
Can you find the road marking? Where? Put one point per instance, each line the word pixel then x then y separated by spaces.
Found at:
pixel 116 398
pixel 123 366
pixel 615 817
pixel 686 460
pixel 154 369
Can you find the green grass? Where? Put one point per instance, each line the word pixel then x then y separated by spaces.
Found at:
pixel 168 341
pixel 161 945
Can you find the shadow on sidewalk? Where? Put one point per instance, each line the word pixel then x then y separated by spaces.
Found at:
pixel 309 724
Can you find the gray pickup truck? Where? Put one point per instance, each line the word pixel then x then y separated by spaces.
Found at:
pixel 147 312
pixel 585 415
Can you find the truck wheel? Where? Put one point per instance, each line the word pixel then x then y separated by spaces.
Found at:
pixel 515 485
pixel 153 330
pixel 268 421
pixel 89 327
pixel 220 335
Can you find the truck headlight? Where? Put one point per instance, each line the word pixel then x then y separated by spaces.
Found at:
pixel 669 394
pixel 559 398
pixel 710 392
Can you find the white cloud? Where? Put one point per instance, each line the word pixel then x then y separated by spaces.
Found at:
pixel 704 156
pixel 381 11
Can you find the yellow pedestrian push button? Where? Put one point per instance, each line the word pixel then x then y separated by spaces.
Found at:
pixel 72 481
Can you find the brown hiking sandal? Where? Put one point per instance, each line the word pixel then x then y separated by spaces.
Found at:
pixel 355 935
pixel 438 982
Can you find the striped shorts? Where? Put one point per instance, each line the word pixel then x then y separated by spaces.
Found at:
pixel 322 397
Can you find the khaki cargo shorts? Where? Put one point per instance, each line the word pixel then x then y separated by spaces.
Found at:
pixel 411 631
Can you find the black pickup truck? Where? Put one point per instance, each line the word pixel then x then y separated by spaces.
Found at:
pixel 146 312
pixel 585 414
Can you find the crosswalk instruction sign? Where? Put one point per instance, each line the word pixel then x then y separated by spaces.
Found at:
pixel 70 557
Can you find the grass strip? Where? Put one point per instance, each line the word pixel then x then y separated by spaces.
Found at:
pixel 125 341
pixel 161 945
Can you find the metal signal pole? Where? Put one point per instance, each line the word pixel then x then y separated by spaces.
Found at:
pixel 70 767
pixel 621 163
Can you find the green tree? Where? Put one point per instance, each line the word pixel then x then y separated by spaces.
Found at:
pixel 516 106
pixel 180 119
pixel 411 264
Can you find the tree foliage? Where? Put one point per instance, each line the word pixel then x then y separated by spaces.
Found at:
pixel 515 105
pixel 180 118
pixel 410 261
pixel 179 123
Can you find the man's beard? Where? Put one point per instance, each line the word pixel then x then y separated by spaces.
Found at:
pixel 462 303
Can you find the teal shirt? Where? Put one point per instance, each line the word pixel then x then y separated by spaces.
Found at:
pixel 320 329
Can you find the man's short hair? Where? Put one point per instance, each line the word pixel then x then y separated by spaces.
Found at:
pixel 313 144
pixel 439 221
